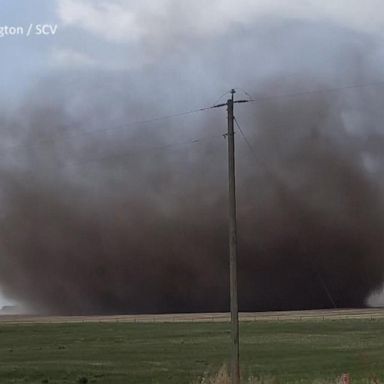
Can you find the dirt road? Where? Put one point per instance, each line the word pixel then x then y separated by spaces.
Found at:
pixel 366 313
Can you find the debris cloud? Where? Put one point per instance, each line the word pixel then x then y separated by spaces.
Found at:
pixel 99 217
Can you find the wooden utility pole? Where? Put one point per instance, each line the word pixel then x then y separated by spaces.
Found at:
pixel 235 363
pixel 235 351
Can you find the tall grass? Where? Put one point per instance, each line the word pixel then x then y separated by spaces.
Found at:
pixel 222 377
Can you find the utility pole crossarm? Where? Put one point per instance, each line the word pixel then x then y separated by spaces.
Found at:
pixel 226 104
pixel 219 105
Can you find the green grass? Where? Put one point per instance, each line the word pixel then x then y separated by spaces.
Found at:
pixel 180 353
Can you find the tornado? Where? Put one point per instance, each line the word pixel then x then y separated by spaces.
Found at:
pixel 106 209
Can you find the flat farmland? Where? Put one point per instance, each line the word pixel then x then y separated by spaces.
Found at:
pixel 292 350
pixel 333 314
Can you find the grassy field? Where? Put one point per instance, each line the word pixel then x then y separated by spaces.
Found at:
pixel 179 353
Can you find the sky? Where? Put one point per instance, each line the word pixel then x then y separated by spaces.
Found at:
pixel 122 35
pixel 131 37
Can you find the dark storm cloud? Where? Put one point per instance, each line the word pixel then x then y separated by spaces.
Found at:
pixel 101 219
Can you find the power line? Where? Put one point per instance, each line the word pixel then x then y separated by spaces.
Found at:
pixel 245 138
pixel 245 92
pixel 80 163
pixel 224 94
pixel 187 113
pixel 151 148
pixel 316 91
pixel 122 126
pixel 253 151
pixel 252 98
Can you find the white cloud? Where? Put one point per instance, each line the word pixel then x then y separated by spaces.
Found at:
pixel 156 28
pixel 109 20
pixel 71 58
pixel 132 20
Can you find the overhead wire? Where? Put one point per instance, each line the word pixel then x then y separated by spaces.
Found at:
pixel 224 94
pixel 317 91
pixel 145 149
pixel 117 127
pixel 72 134
pixel 128 152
